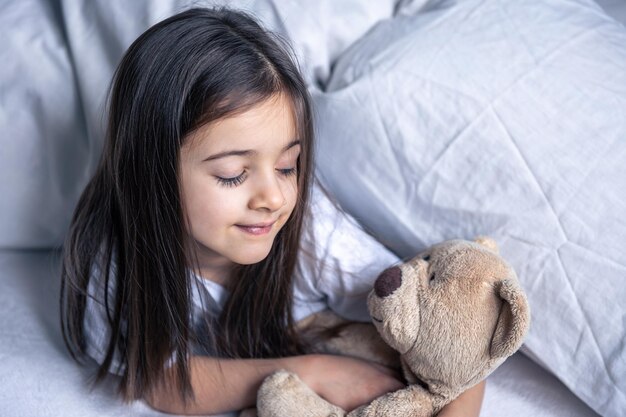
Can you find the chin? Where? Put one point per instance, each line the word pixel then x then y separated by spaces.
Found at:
pixel 251 257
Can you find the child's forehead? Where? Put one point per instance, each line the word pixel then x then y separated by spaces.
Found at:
pixel 268 124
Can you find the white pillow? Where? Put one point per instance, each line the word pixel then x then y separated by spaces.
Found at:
pixel 44 153
pixel 502 118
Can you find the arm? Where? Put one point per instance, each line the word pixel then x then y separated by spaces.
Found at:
pixel 222 385
pixel 467 404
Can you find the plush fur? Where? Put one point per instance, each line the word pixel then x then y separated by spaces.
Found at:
pixel 451 315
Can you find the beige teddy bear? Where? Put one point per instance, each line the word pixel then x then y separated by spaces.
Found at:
pixel 454 313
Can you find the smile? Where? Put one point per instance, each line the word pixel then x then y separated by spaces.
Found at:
pixel 256 229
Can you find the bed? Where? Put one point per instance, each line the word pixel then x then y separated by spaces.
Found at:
pixel 39 379
pixel 458 118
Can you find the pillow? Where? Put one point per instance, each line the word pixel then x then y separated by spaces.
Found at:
pixel 100 31
pixel 505 119
pixel 44 153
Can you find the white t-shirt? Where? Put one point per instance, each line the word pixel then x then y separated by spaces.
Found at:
pixel 336 269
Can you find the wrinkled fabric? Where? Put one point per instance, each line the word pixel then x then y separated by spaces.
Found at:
pixel 505 119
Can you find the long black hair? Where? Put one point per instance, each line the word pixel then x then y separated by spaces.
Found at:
pixel 184 72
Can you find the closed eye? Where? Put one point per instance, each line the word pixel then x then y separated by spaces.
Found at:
pixel 287 171
pixel 232 181
pixel 239 179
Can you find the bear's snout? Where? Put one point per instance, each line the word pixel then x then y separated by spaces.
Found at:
pixel 388 281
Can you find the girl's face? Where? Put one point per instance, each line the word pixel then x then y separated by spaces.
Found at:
pixel 239 184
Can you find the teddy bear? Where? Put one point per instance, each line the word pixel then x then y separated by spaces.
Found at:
pixel 448 318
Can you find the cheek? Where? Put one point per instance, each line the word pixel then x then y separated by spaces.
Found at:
pixel 290 191
pixel 202 210
pixel 204 204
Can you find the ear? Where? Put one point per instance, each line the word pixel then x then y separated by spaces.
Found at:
pixel 513 321
pixel 487 242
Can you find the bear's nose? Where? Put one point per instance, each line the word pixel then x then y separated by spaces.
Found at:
pixel 388 281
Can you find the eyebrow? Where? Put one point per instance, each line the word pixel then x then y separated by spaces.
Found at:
pixel 246 152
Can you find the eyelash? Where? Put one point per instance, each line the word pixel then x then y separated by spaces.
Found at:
pixel 239 179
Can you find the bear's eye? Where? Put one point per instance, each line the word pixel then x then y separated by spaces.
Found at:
pixel 426 258
pixel 432 277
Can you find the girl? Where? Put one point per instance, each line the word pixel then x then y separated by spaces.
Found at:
pixel 183 245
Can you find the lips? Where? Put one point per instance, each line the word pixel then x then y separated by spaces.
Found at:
pixel 256 229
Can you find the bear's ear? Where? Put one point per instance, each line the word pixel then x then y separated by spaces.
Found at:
pixel 513 321
pixel 487 242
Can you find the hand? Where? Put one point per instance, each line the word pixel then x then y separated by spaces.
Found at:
pixel 348 382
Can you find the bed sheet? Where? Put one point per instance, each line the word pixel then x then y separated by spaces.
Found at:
pixel 39 378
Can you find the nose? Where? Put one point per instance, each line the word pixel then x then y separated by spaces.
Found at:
pixel 268 195
pixel 388 281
